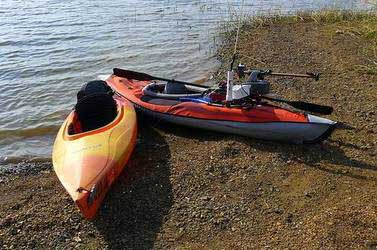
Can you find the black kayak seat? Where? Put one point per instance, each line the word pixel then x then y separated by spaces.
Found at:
pixel 174 88
pixel 95 111
pixel 93 87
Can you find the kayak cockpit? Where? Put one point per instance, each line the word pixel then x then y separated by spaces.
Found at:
pixel 93 112
pixel 172 91
pixel 95 108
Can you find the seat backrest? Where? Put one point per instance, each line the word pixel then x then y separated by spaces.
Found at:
pixel 174 88
pixel 95 111
pixel 93 87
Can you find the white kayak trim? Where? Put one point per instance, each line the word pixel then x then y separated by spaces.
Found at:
pixel 317 119
pixel 103 77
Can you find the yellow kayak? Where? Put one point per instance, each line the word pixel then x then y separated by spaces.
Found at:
pixel 92 147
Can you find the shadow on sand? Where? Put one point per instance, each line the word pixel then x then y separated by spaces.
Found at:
pixel 329 152
pixel 133 212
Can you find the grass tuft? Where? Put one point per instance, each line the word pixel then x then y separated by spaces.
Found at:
pixel 361 24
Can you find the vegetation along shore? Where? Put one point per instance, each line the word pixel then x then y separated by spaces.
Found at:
pixel 194 189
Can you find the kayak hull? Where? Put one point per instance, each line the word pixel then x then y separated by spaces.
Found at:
pixel 293 132
pixel 88 163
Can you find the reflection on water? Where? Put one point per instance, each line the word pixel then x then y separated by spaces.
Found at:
pixel 49 48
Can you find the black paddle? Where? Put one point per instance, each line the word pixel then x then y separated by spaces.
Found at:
pixel 145 77
pixel 311 107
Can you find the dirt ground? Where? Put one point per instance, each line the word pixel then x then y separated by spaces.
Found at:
pixel 193 189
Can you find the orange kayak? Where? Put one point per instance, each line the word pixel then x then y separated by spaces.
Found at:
pixel 192 107
pixel 90 152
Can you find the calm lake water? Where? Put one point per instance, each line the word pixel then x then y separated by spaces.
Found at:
pixel 49 48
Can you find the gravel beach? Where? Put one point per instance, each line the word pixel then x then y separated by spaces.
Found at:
pixel 194 189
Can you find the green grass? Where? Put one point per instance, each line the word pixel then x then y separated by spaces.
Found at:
pixel 362 24
pixel 367 29
pixel 320 17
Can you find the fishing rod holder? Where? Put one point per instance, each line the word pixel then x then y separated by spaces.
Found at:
pixel 241 68
pixel 254 86
pixel 258 86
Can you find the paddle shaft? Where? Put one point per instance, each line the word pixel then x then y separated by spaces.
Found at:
pixel 315 76
pixel 145 77
pixel 291 74
pixel 179 82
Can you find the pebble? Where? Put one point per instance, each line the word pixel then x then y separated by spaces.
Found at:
pixel 308 194
pixel 278 211
pixel 205 198
pixel 289 218
pixel 77 239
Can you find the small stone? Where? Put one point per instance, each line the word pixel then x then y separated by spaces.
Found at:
pixel 13 231
pixel 307 194
pixel 205 198
pixel 77 239
pixel 289 218
pixel 278 211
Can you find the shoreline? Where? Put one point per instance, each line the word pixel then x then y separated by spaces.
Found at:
pixel 211 190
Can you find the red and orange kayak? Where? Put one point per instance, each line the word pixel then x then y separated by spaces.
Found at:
pixel 87 161
pixel 190 108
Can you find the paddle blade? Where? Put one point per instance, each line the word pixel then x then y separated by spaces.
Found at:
pixel 132 74
pixel 311 107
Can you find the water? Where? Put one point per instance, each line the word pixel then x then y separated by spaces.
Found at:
pixel 49 48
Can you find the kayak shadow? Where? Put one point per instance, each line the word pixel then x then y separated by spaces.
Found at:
pixel 133 211
pixel 326 156
pixel 330 152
